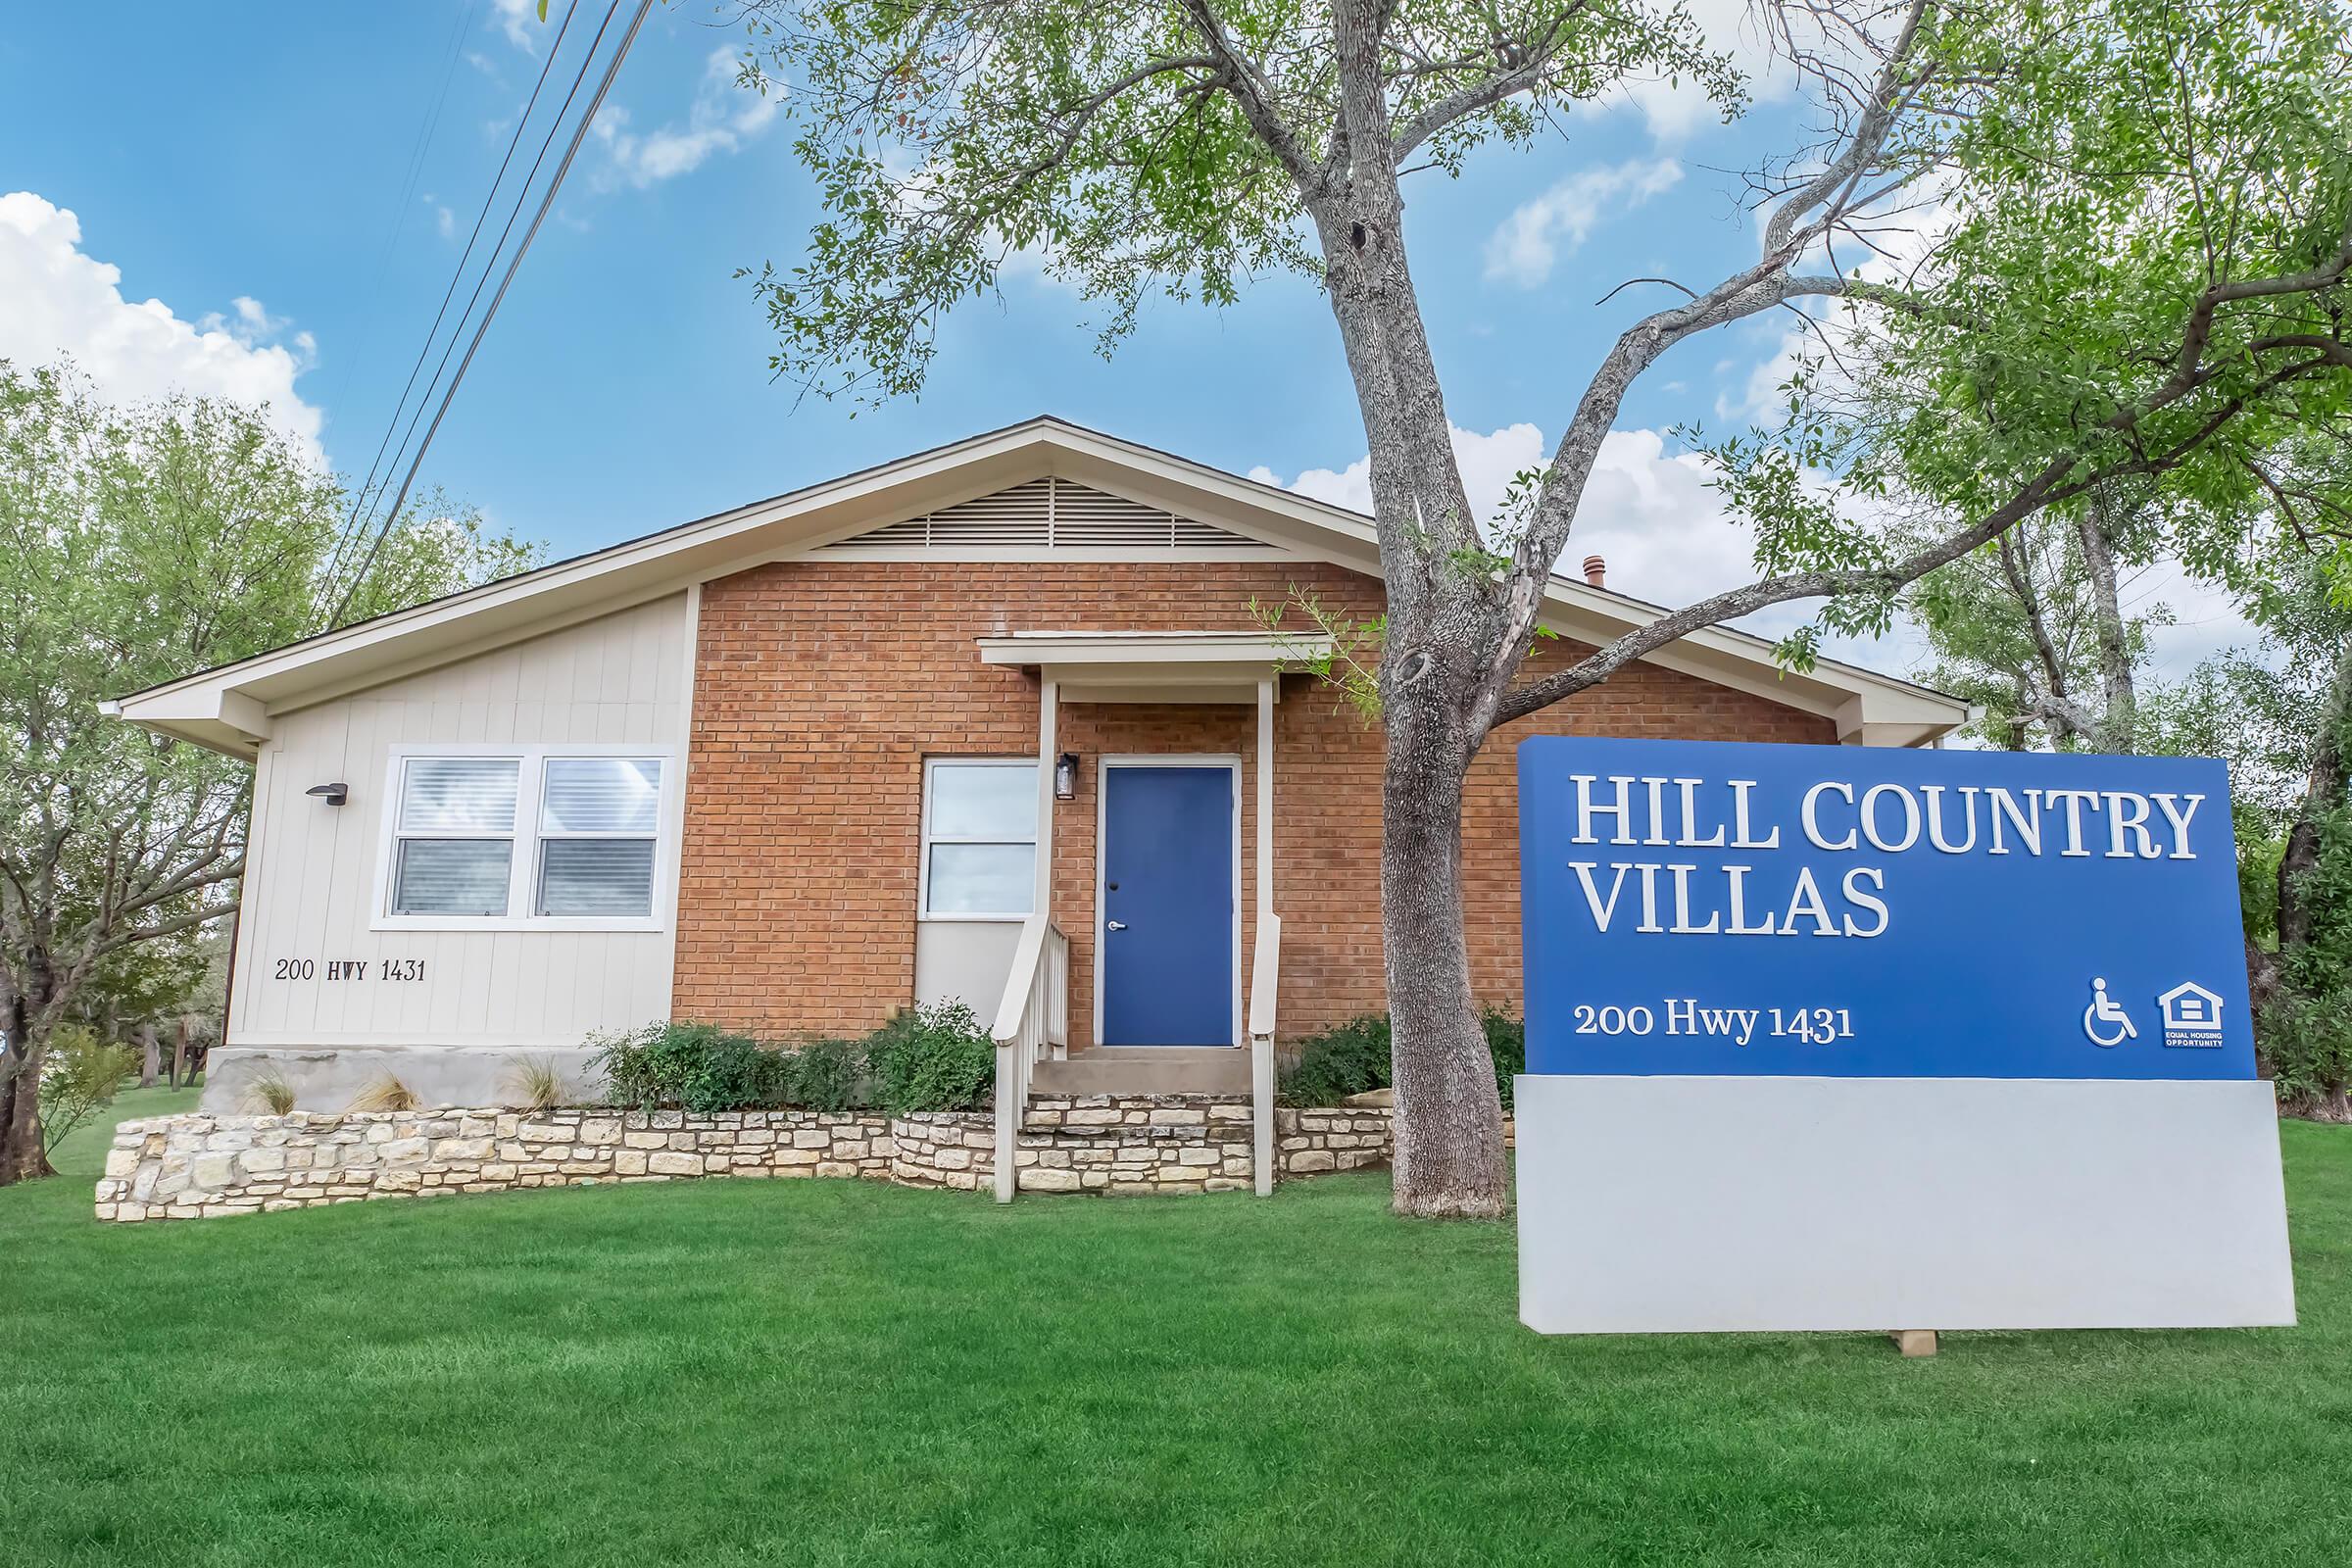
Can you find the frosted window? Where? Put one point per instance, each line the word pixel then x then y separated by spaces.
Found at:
pixel 595 876
pixel 601 794
pixel 993 802
pixel 526 838
pixel 452 876
pixel 982 878
pixel 458 795
pixel 979 838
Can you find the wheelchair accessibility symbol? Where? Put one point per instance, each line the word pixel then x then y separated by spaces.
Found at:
pixel 2105 1021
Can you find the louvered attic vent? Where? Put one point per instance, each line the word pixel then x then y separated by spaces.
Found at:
pixel 1049 513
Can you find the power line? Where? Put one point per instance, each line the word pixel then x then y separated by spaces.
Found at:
pixel 416 155
pixel 579 77
pixel 457 275
pixel 367 487
pixel 579 134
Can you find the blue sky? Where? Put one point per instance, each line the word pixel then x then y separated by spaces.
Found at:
pixel 276 234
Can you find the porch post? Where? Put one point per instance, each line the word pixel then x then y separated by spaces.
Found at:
pixel 1014 1060
pixel 1265 797
pixel 1048 697
pixel 1262 986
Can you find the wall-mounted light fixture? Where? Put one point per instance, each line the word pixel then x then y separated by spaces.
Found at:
pixel 331 794
pixel 1065 776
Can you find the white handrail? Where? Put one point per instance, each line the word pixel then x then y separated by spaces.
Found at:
pixel 1032 1018
pixel 1265 974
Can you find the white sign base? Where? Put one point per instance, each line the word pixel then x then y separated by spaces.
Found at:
pixel 1673 1204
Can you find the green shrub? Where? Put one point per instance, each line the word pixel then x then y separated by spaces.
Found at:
pixel 83 1071
pixel 691 1066
pixel 737 1073
pixel 932 1057
pixel 1506 1041
pixel 2306 1047
pixel 1355 1059
pixel 1351 1058
pixel 828 1075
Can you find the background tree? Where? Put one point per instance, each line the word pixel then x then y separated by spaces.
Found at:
pixel 137 545
pixel 2034 632
pixel 2115 233
pixel 2282 715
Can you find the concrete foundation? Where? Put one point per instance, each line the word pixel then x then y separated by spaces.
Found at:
pixel 330 1078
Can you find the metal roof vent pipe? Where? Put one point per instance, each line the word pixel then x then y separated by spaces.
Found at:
pixel 1595 570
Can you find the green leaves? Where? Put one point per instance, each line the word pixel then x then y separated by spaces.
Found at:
pixel 1120 150
pixel 137 545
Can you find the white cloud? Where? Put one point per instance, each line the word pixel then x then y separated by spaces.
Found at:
pixel 1651 515
pixel 518 19
pixel 721 118
pixel 1758 400
pixel 1675 110
pixel 2205 618
pixel 62 301
pixel 1486 461
pixel 1525 246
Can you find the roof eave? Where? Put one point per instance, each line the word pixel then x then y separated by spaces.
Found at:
pixel 199 708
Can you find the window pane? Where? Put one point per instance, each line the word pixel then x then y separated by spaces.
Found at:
pixel 595 876
pixel 601 794
pixel 452 876
pixel 983 802
pixel 458 795
pixel 982 878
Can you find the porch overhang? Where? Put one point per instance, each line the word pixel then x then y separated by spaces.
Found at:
pixel 1155 666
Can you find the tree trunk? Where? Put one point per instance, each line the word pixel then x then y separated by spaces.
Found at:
pixel 2118 723
pixel 20 1155
pixel 150 1055
pixel 1448 1126
pixel 179 1049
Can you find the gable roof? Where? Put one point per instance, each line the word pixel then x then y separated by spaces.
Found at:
pixel 228 709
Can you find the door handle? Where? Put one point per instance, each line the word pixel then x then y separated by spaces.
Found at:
pixel 1116 925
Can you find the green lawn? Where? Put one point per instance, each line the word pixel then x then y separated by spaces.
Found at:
pixel 835 1373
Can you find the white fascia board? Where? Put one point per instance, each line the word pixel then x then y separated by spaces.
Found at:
pixel 600 583
pixel 642 569
pixel 1166 667
pixel 218 718
pixel 1720 654
pixel 1136 650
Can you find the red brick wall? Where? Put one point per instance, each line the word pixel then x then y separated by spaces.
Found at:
pixel 821 687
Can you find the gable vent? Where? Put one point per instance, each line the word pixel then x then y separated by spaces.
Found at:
pixel 1049 513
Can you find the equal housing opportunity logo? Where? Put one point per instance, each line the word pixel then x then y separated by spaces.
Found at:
pixel 2192 1015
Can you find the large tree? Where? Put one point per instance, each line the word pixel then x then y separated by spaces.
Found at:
pixel 2114 234
pixel 138 544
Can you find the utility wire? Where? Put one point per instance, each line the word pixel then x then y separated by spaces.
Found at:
pixel 521 195
pixel 416 155
pixel 359 505
pixel 547 202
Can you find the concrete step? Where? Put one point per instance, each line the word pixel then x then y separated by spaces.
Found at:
pixel 1146 1071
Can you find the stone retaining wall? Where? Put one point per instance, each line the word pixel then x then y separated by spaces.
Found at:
pixel 199 1165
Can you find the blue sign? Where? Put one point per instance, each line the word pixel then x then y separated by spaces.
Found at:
pixel 1699 907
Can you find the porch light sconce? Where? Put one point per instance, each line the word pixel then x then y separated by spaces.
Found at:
pixel 1065 776
pixel 331 794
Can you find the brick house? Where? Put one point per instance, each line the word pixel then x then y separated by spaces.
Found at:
pixel 995 722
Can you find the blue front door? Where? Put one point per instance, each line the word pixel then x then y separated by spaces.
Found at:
pixel 1167 939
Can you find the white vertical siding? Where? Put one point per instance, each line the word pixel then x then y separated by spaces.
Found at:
pixel 311 880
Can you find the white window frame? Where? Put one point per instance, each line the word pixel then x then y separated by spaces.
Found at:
pixel 925 838
pixel 522 869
